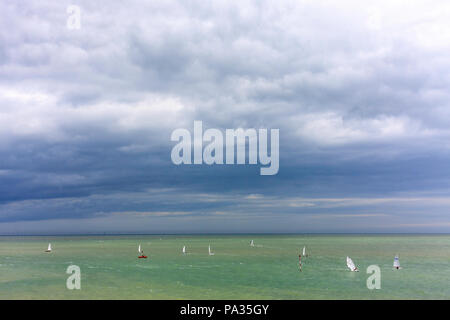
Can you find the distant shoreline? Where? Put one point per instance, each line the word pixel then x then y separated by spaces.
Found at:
pixel 221 234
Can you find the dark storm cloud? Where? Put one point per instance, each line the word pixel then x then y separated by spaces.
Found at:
pixel 360 96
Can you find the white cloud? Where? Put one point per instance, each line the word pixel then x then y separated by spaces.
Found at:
pixel 332 129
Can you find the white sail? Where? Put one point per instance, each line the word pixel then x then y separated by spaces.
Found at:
pixel 304 251
pixel 49 247
pixel 139 249
pixel 209 251
pixel 252 244
pixel 184 249
pixel 350 264
pixel 396 262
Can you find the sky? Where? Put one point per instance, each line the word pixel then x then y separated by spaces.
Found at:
pixel 359 91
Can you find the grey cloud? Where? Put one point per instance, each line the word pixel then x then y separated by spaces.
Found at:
pixel 359 95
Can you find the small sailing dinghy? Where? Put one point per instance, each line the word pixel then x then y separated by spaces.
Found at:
pixel 304 252
pixel 351 265
pixel 141 252
pixel 49 249
pixel 396 262
pixel 209 251
pixel 184 249
pixel 252 244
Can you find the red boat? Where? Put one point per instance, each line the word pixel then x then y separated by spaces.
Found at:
pixel 142 256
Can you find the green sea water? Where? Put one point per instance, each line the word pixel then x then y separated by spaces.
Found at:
pixel 110 268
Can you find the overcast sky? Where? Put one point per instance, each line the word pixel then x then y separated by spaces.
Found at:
pixel 358 89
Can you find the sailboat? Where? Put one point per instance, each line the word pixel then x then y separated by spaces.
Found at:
pixel 209 251
pixel 396 262
pixel 184 249
pixel 141 252
pixel 351 265
pixel 252 244
pixel 49 249
pixel 304 252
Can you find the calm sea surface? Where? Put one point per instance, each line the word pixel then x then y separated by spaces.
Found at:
pixel 110 268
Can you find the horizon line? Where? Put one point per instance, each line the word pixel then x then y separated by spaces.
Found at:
pixel 224 233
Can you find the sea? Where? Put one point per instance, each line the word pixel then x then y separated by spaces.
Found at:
pixel 109 267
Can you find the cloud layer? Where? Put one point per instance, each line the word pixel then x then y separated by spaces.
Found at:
pixel 359 93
